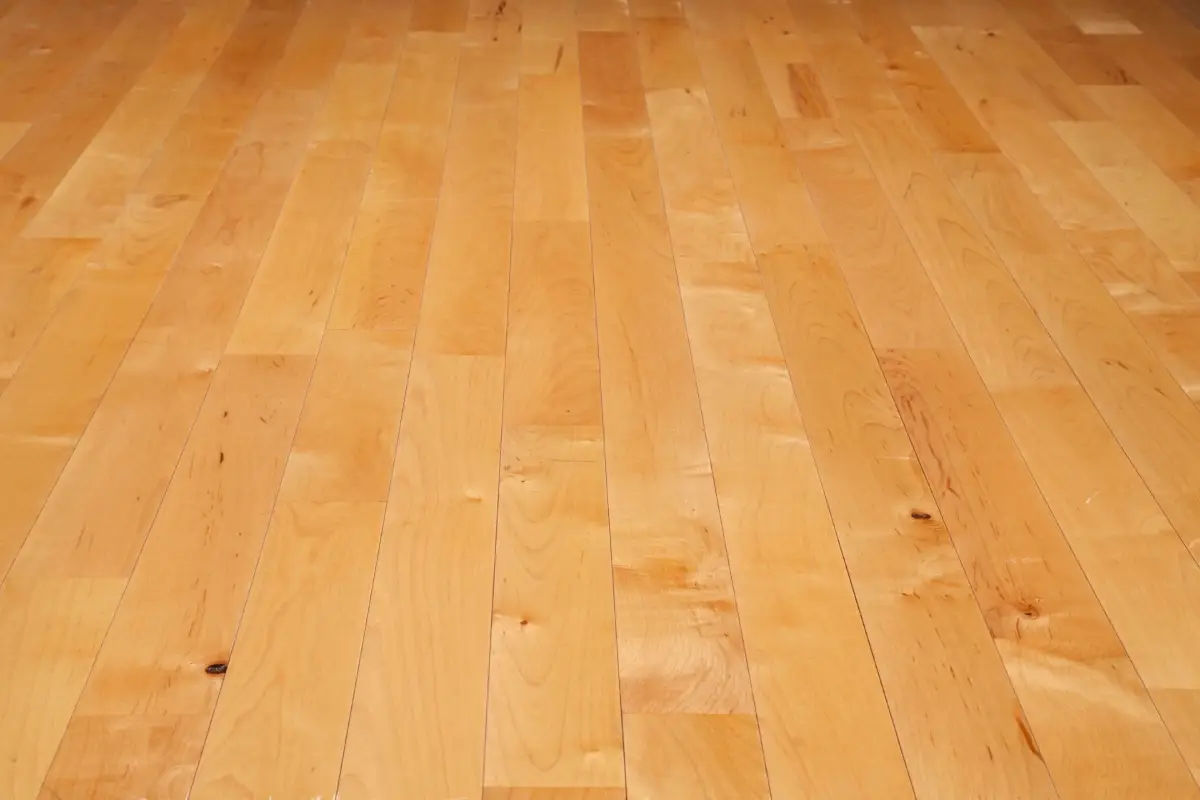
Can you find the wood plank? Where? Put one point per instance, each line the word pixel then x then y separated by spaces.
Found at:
pixel 431 608
pixel 554 712
pixel 1167 141
pixel 1064 185
pixel 783 551
pixel 554 708
pixel 289 300
pixel 279 730
pixel 92 194
pixel 985 306
pixel 706 756
pixel 161 384
pixel 937 111
pixel 187 592
pixel 874 486
pixel 1160 208
pixel 51 399
pixel 31 169
pixel 37 274
pixel 668 484
pixel 386 260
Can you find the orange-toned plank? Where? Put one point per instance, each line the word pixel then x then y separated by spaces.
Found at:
pixel 417 723
pixel 554 709
pixel 31 169
pixel 1160 208
pixel 935 108
pixel 667 57
pixel 705 756
pixel 37 274
pixel 10 134
pixel 289 300
pixel 986 307
pixel 94 190
pixel 915 598
pixel 766 485
pixel 665 525
pixel 186 594
pixel 62 379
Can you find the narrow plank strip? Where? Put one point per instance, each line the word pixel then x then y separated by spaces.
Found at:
pixel 679 639
pixel 554 710
pixel 418 719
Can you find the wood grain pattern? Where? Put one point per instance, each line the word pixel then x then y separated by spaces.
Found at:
pixel 599 399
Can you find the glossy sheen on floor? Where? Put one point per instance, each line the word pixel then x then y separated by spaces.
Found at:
pixel 597 399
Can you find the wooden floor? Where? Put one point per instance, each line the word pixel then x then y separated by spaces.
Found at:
pixel 597 399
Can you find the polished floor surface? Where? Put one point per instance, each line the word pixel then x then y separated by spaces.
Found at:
pixel 598 399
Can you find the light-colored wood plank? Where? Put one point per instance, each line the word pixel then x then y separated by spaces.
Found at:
pixel 783 551
pixel 92 194
pixel 35 165
pixel 37 274
pixel 554 710
pixel 186 593
pixel 680 651
pixel 51 399
pixel 1162 137
pixel 1064 185
pixel 1160 208
pixel 986 309
pixel 308 602
pixel 874 487
pixel 279 729
pixel 289 301
pixel 705 756
pixel 554 713
pixel 418 719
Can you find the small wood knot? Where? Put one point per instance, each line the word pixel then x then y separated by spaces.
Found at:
pixel 919 515
pixel 1028 611
pixel 216 669
pixel 524 622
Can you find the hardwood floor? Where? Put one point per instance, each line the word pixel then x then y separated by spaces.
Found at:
pixel 597 399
